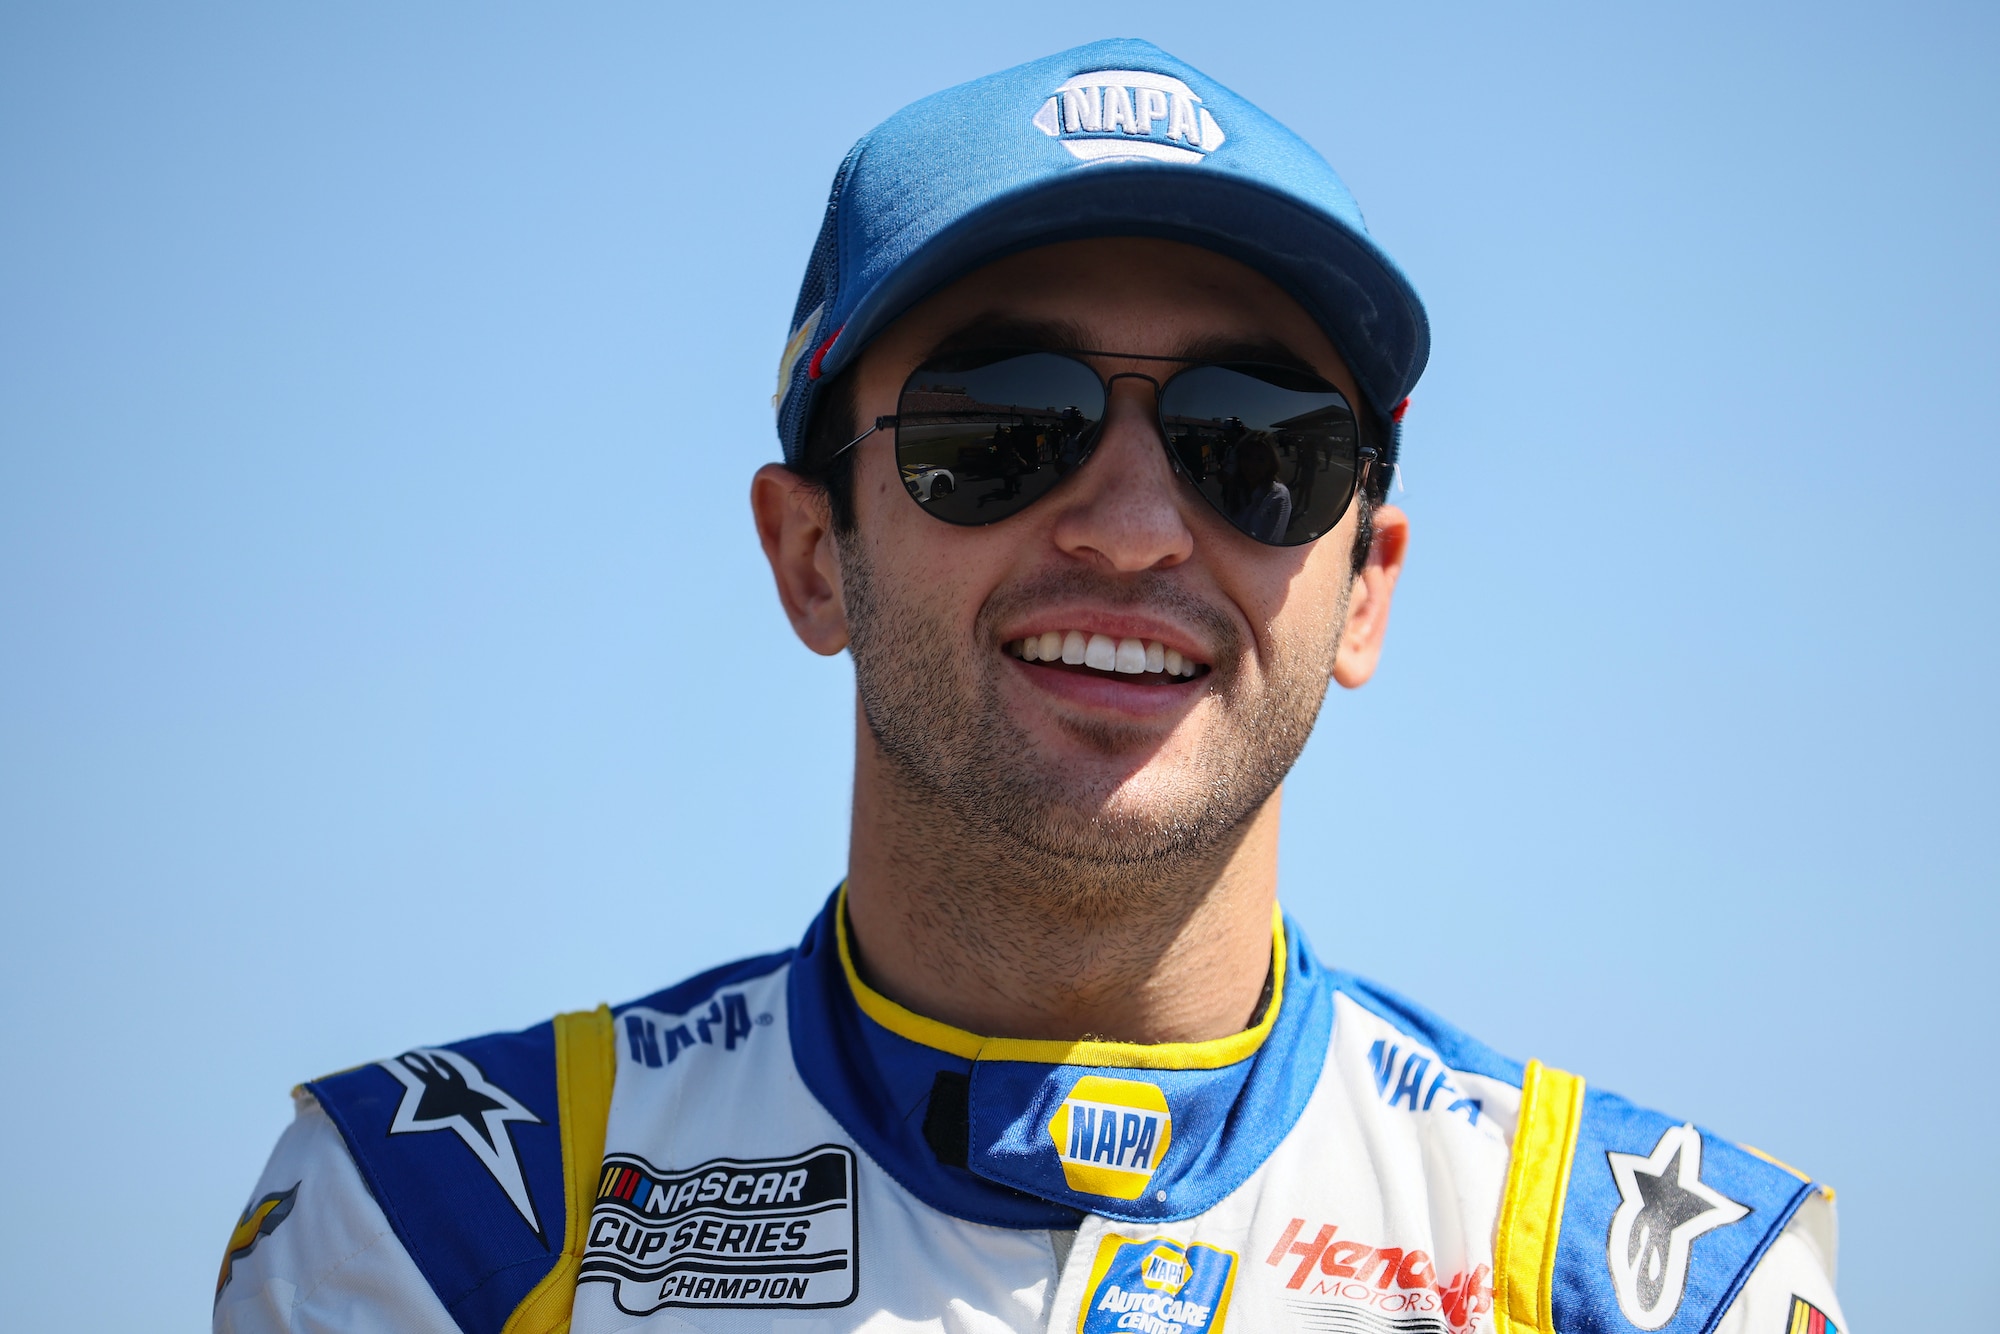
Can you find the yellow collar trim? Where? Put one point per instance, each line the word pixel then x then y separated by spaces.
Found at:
pixel 1210 1055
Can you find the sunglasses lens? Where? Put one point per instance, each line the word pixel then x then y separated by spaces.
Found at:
pixel 979 438
pixel 1275 451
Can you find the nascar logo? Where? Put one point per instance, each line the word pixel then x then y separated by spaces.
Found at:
pixel 1128 113
pixel 730 1233
pixel 1110 1135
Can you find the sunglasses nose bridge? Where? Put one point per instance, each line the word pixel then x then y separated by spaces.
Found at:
pixel 1158 415
pixel 1155 416
pixel 1111 383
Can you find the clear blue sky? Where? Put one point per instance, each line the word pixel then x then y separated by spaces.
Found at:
pixel 385 655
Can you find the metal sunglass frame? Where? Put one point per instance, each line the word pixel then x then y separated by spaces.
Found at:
pixel 1366 456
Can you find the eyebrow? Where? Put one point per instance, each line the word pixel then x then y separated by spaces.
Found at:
pixel 1000 331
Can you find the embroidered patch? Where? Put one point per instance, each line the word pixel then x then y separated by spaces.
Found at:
pixel 1664 1206
pixel 1127 113
pixel 656 1039
pixel 1808 1319
pixel 1389 1280
pixel 1157 1286
pixel 442 1090
pixel 259 1221
pixel 765 1232
pixel 795 347
pixel 1111 1134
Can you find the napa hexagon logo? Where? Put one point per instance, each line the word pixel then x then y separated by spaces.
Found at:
pixel 1110 114
pixel 1165 1269
pixel 1111 1134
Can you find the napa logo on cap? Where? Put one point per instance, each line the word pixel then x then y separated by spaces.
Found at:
pixel 1110 1135
pixel 1111 114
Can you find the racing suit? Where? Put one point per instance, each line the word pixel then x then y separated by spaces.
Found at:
pixel 775 1146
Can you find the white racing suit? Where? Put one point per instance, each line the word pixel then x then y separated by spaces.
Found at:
pixel 774 1146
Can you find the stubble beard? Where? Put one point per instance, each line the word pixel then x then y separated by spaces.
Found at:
pixel 983 811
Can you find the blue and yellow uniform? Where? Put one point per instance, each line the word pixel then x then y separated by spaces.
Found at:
pixel 775 1146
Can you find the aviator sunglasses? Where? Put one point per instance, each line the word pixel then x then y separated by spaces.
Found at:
pixel 982 435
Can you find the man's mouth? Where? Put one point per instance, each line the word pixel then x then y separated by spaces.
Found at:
pixel 1148 660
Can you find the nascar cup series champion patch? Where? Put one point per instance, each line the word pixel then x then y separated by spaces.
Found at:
pixel 732 1232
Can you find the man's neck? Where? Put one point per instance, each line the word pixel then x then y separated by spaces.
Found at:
pixel 984 938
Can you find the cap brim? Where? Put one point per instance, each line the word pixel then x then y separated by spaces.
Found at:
pixel 1354 291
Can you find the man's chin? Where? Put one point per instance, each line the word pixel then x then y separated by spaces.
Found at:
pixel 1112 814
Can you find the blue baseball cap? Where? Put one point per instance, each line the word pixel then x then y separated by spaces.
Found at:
pixel 1116 138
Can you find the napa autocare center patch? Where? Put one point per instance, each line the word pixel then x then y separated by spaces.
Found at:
pixel 1157 1286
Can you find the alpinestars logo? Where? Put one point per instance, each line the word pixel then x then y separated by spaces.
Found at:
pixel 1109 114
pixel 1664 1207
pixel 442 1090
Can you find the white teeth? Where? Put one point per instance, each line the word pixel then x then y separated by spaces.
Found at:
pixel 1131 657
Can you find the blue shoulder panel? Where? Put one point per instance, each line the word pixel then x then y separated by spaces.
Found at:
pixel 1662 1224
pixel 462 1149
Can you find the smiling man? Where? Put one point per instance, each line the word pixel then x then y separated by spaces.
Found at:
pixel 1088 412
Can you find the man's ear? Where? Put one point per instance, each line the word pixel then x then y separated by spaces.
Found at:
pixel 1368 601
pixel 795 524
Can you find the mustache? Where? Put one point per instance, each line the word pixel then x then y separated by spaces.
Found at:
pixel 1147 591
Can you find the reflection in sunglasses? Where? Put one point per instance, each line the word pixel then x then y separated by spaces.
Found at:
pixel 1274 451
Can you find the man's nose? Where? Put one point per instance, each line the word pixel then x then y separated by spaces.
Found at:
pixel 1123 509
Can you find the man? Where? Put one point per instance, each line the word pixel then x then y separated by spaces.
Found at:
pixel 1087 413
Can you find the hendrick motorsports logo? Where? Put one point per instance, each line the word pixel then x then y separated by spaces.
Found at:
pixel 1128 113
pixel 1398 1281
pixel 774 1232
